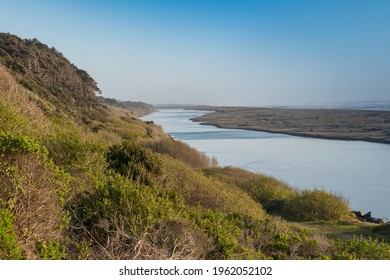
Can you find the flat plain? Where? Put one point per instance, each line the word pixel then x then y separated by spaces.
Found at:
pixel 342 124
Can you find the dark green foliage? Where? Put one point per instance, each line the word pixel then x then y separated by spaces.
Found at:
pixel 360 248
pixel 133 161
pixel 47 72
pixel 383 228
pixel 316 205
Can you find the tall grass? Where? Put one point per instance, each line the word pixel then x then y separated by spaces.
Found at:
pixel 181 151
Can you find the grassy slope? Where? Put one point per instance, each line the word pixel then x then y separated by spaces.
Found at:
pixel 88 184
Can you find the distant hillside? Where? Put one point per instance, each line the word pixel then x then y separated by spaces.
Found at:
pixel 134 108
pixel 47 72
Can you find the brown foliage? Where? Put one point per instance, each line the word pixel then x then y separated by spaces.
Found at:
pixel 30 189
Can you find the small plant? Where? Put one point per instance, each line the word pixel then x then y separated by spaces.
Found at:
pixel 9 248
pixel 51 250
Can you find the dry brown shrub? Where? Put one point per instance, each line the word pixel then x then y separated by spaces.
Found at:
pixel 22 102
pixel 30 189
pixel 168 240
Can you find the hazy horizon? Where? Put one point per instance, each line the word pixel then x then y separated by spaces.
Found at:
pixel 244 53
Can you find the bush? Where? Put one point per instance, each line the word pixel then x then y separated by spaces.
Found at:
pixel 383 228
pixel 9 248
pixel 33 190
pixel 264 189
pixel 11 144
pixel 360 248
pixel 134 162
pixel 122 219
pixel 207 192
pixel 231 233
pixel 181 151
pixel 279 240
pixel 316 205
pixel 52 250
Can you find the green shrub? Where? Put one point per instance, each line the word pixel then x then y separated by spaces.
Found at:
pixel 207 192
pixel 316 205
pixel 360 248
pixel 15 144
pixel 279 240
pixel 51 250
pixel 134 162
pixel 9 248
pixel 181 151
pixel 383 228
pixel 33 189
pixel 261 187
pixel 119 214
pixel 228 233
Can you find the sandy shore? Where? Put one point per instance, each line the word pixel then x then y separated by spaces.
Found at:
pixel 363 125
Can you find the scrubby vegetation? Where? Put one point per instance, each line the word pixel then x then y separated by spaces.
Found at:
pixel 82 181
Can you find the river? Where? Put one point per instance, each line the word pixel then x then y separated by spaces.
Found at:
pixel 358 170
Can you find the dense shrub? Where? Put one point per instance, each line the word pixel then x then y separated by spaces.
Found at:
pixel 383 228
pixel 33 191
pixel 266 190
pixel 134 162
pixel 211 193
pixel 226 231
pixel 51 250
pixel 126 221
pixel 9 248
pixel 316 205
pixel 279 240
pixel 360 248
pixel 261 187
pixel 181 151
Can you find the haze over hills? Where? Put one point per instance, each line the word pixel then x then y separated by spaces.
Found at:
pixel 82 178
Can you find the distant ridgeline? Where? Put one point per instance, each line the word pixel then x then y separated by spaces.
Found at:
pixel 136 107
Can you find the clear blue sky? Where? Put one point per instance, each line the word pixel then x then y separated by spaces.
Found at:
pixel 219 52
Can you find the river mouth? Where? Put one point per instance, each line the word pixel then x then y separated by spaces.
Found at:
pixel 358 170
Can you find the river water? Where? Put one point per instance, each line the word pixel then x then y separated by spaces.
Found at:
pixel 358 170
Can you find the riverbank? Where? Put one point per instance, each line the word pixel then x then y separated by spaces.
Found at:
pixel 337 124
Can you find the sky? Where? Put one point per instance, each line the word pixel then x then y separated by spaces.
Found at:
pixel 244 52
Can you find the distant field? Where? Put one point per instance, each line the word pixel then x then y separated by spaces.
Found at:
pixel 364 125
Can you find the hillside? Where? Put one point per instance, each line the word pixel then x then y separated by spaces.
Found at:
pixel 81 179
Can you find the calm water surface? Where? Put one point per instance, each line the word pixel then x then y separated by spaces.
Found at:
pixel 358 170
